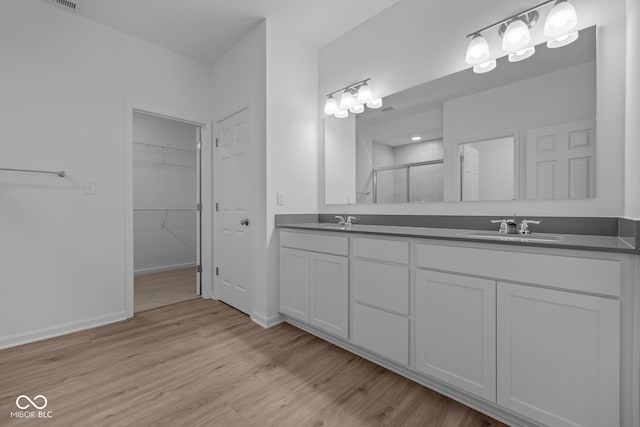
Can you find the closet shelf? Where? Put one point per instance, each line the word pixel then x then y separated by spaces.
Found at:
pixel 165 147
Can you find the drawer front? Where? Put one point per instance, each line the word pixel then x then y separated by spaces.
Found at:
pixel 381 285
pixel 381 332
pixel 336 245
pixel 565 272
pixel 381 250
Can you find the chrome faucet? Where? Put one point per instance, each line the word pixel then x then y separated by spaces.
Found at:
pixel 348 221
pixel 510 226
pixel 524 226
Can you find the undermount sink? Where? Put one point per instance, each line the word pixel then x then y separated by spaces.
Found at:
pixel 494 235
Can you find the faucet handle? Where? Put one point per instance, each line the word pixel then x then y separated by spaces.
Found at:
pixel 340 219
pixel 524 225
pixel 504 228
pixel 352 219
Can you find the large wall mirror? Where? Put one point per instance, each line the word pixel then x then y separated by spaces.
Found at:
pixel 526 130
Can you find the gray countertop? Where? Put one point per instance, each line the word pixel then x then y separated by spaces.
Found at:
pixel 568 241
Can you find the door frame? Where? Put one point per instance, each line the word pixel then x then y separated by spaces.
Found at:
pixel 206 191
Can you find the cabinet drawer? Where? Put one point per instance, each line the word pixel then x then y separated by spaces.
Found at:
pixel 381 332
pixel 381 249
pixel 381 285
pixel 598 276
pixel 315 242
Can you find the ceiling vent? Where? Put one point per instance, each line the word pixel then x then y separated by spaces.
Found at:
pixel 387 109
pixel 67 4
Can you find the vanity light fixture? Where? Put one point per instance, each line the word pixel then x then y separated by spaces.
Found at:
pixel 331 106
pixel 478 50
pixel 353 98
pixel 347 100
pixel 559 26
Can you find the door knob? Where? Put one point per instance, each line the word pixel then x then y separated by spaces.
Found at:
pixel 244 221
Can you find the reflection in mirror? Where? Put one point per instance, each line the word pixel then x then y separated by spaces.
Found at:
pixel 487 170
pixel 409 150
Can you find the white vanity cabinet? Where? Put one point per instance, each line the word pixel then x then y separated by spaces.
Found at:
pixel 314 280
pixel 556 350
pixel 456 330
pixel 529 335
pixel 558 356
pixel 381 297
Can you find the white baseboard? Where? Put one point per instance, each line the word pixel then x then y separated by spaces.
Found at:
pixel 266 322
pixel 66 328
pixel 162 268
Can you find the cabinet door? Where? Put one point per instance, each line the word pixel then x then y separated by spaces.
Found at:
pixel 558 356
pixel 329 301
pixel 456 331
pixel 294 283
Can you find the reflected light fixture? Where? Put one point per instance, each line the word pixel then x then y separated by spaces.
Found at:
pixel 559 28
pixel 353 98
pixel 375 103
pixel 357 109
pixel 522 54
pixel 485 67
pixel 562 40
pixel 416 138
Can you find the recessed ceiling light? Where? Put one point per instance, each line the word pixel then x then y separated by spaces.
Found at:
pixel 416 138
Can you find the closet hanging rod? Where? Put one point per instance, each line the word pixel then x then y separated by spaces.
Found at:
pixel 165 210
pixel 165 147
pixel 61 174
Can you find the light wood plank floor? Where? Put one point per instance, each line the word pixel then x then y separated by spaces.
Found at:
pixel 202 363
pixel 159 289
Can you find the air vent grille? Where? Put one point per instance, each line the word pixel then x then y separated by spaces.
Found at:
pixel 67 3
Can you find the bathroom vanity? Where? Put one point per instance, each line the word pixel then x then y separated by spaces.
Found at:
pixel 529 332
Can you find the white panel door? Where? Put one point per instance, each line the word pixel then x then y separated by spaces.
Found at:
pixel 329 293
pixel 470 173
pixel 561 161
pixel 456 331
pixel 294 283
pixel 234 212
pixel 558 356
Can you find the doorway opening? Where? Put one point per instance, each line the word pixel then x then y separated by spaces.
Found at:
pixel 167 209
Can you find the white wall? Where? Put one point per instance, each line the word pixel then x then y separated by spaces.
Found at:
pixel 292 144
pixel 65 84
pixel 632 135
pixel 416 41
pixel 164 178
pixel 239 82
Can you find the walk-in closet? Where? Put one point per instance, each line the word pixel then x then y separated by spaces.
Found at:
pixel 166 177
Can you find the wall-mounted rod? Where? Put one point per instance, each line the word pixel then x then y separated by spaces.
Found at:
pixel 165 210
pixel 353 85
pixel 61 174
pixel 517 15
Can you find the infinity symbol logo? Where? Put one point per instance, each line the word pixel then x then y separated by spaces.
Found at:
pixel 23 397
